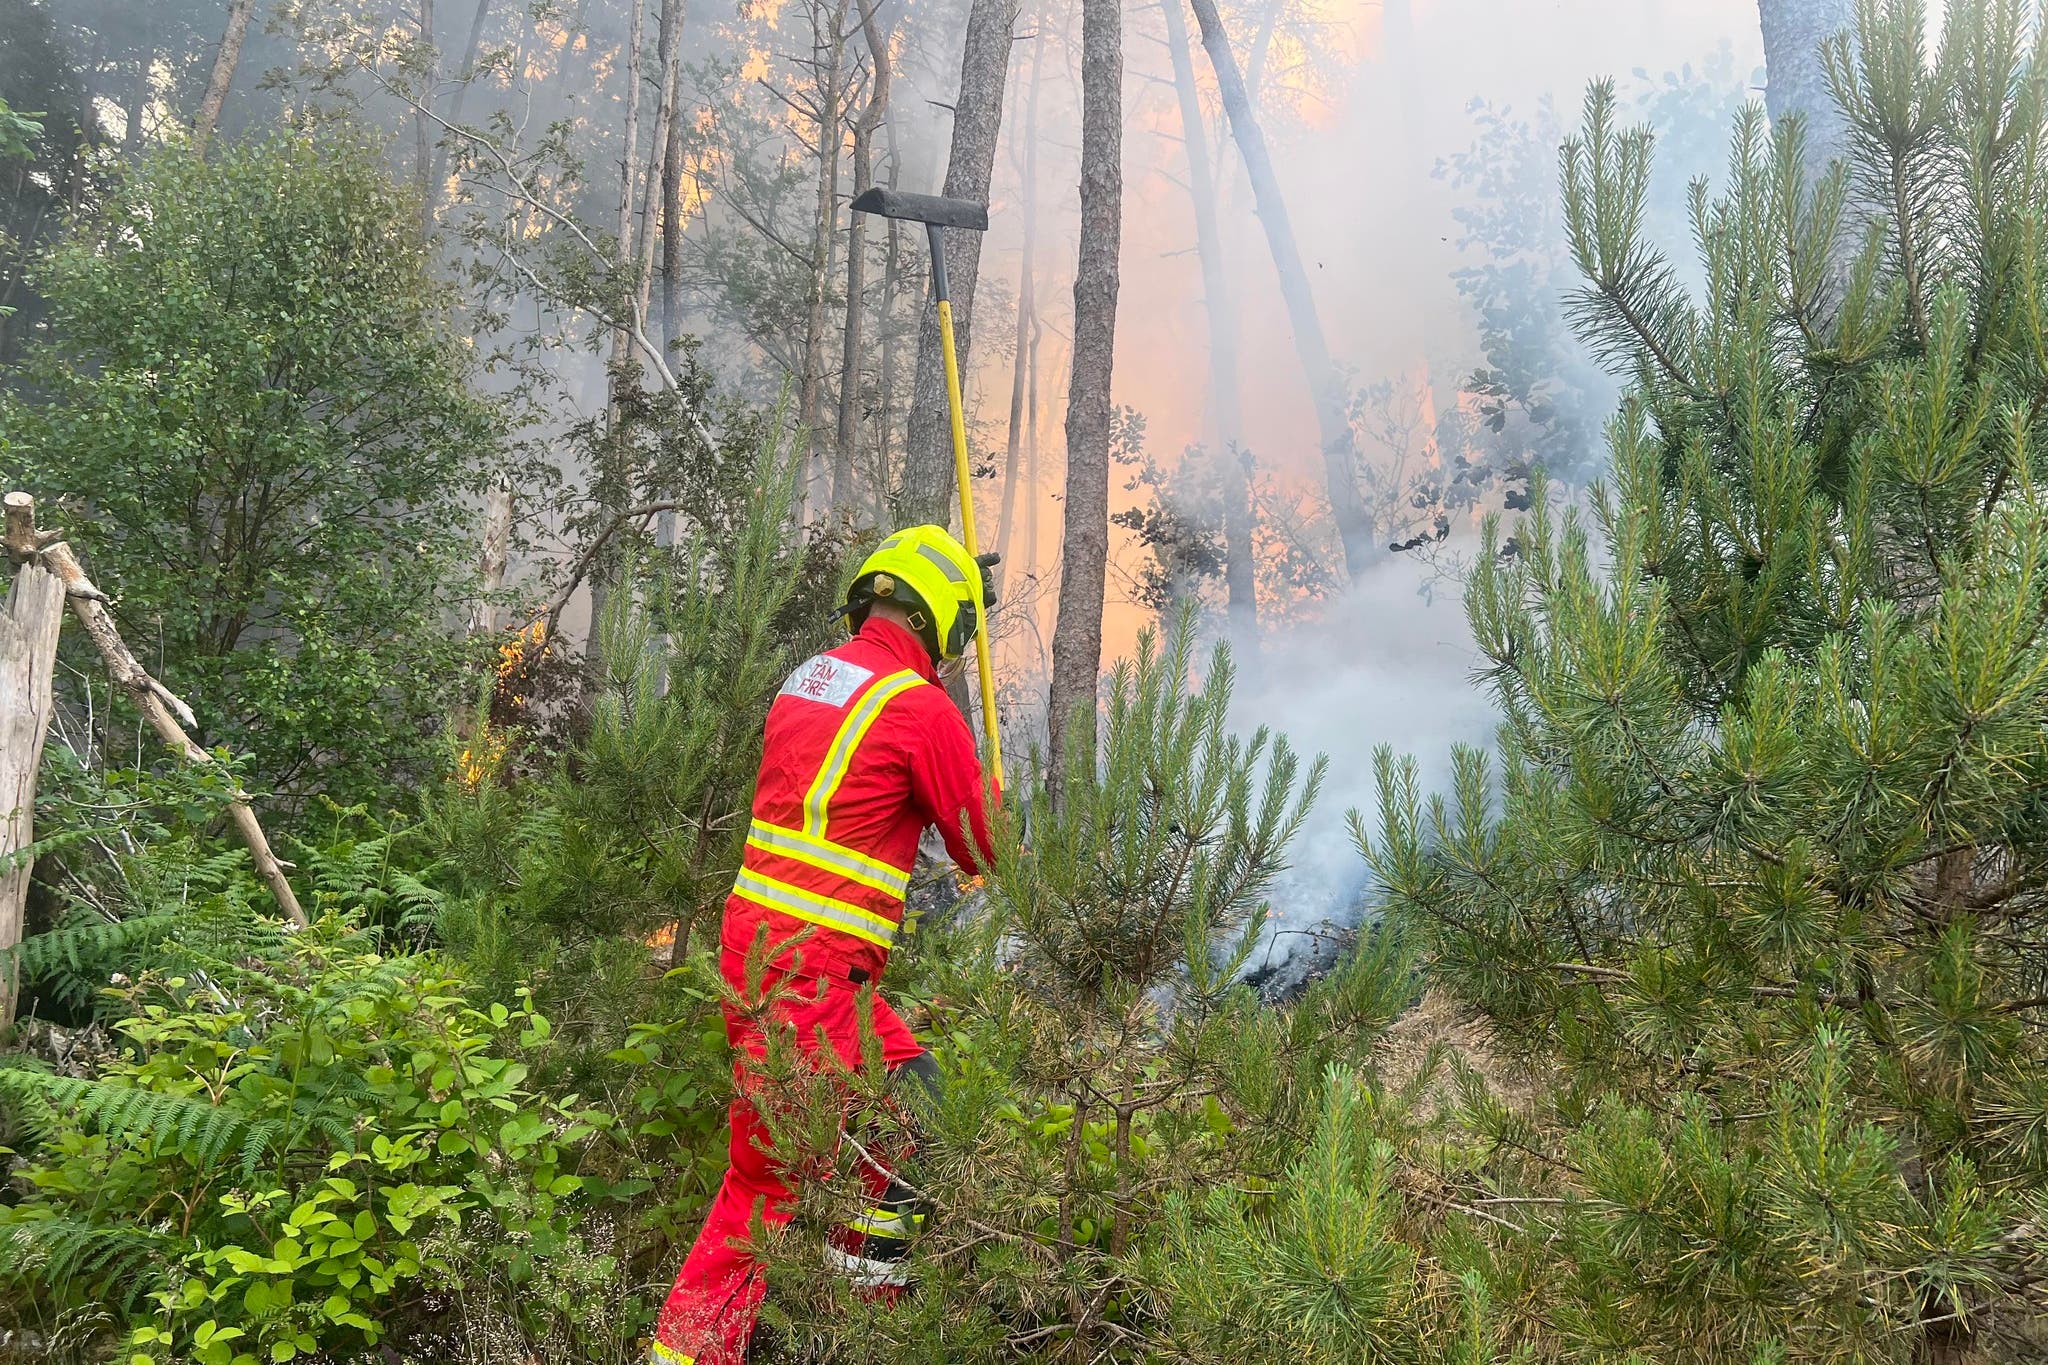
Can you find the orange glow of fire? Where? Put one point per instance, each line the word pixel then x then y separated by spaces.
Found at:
pixel 1425 401
pixel 514 651
pixel 483 758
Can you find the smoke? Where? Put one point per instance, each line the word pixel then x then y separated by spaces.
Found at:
pixel 1389 663
pixel 1363 103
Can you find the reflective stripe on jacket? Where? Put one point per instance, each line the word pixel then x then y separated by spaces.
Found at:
pixel 862 750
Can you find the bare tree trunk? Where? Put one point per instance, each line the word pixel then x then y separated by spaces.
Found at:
pixel 1796 79
pixel 1027 299
pixel 1226 422
pixel 138 100
pixel 824 235
pixel 224 63
pixel 28 657
pixel 495 553
pixel 892 278
pixel 927 491
pixel 88 123
pixel 672 219
pixel 615 485
pixel 856 258
pixel 1077 634
pixel 1032 475
pixel 629 158
pixel 138 97
pixel 669 56
pixel 423 162
pixel 152 698
pixel 1326 385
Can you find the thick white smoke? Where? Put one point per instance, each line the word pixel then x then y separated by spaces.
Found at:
pixel 1389 663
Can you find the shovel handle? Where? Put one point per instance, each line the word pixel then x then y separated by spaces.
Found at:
pixel 961 475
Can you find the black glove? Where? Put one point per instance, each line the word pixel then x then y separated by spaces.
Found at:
pixel 988 563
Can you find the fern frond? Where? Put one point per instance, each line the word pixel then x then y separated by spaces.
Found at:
pixel 64 1253
pixel 68 960
pixel 200 1131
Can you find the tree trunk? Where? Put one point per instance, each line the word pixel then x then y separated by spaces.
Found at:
pixel 856 259
pixel 629 157
pixel 1795 78
pixel 669 56
pixel 927 492
pixel 1027 300
pixel 892 277
pixel 423 162
pixel 672 219
pixel 28 656
pixel 847 436
pixel 824 233
pixel 614 485
pixel 138 100
pixel 1032 476
pixel 495 553
pixel 1226 421
pixel 138 96
pixel 1326 385
pixel 1077 634
pixel 477 20
pixel 88 124
pixel 224 63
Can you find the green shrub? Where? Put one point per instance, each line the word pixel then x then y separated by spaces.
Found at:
pixel 306 1147
pixel 258 418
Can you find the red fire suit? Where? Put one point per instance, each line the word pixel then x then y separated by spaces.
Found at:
pixel 862 751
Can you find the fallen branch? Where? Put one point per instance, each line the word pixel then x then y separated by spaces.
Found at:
pixel 162 708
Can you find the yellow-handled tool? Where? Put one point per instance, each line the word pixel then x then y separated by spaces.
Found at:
pixel 937 213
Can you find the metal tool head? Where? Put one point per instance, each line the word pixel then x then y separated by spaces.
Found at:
pixel 922 208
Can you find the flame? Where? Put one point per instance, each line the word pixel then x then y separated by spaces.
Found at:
pixel 513 653
pixel 483 758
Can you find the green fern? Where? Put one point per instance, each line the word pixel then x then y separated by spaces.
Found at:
pixel 42 848
pixel 199 1131
pixel 110 1260
pixel 74 960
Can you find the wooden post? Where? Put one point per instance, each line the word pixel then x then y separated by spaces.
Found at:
pixel 28 657
pixel 158 704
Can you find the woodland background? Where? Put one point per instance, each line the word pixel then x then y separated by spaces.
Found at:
pixel 447 424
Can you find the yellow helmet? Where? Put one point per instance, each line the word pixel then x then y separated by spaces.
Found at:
pixel 930 574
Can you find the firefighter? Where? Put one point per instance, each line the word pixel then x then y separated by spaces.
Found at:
pixel 863 750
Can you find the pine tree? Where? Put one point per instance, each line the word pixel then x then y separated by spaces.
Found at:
pixel 1757 866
